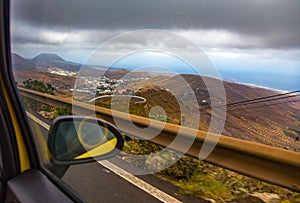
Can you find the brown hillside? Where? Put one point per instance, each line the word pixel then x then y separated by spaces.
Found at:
pixel 125 74
pixel 264 122
pixel 159 97
pixel 58 81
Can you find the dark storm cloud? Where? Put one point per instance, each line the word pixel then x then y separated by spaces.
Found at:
pixel 276 22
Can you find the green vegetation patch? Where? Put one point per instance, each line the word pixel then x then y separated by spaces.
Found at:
pixel 33 105
pixel 205 186
pixel 203 180
pixel 38 86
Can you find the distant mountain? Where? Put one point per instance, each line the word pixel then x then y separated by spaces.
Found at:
pixel 45 57
pixel 21 64
pixel 45 60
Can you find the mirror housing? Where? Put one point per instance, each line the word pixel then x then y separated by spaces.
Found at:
pixel 79 139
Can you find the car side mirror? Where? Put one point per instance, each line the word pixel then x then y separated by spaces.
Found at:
pixel 78 139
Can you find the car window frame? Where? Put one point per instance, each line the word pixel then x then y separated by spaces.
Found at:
pixel 15 119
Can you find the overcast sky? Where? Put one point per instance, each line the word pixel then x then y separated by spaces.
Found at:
pixel 229 31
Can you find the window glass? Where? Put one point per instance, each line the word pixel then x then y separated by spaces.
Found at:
pixel 228 68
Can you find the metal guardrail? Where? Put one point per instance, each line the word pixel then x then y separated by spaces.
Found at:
pixel 274 165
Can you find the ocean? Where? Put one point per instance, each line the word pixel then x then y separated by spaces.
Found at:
pixel 276 81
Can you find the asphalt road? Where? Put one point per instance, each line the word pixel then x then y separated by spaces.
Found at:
pixel 96 183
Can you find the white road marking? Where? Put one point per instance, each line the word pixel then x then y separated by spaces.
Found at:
pixel 155 192
pixel 35 119
pixel 158 194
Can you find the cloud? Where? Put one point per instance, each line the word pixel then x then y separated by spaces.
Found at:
pixel 231 23
pixel 223 38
